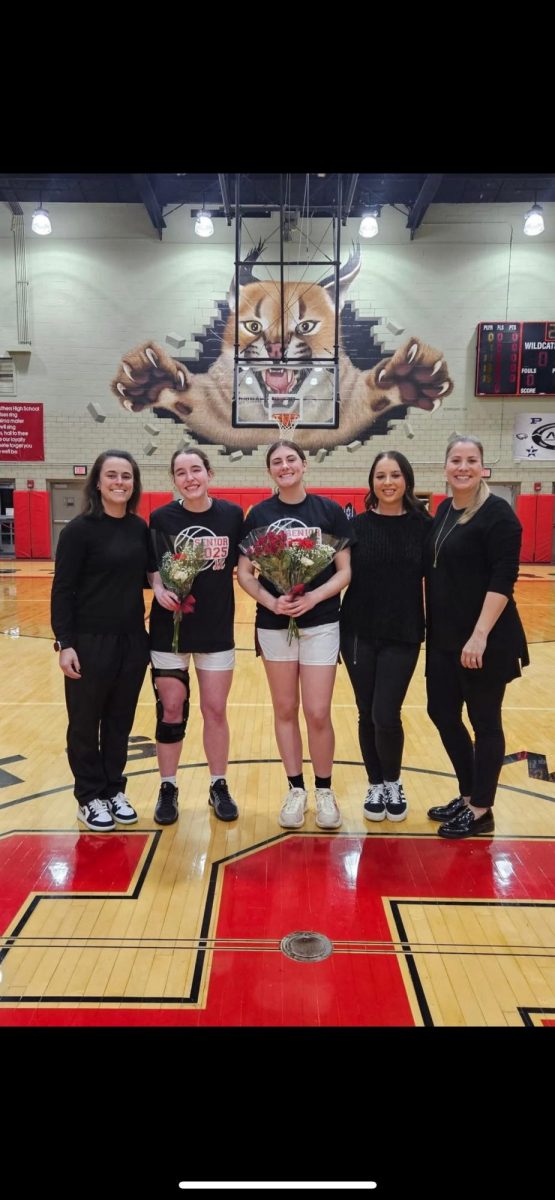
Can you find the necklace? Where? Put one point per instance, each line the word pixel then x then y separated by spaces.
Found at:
pixel 439 539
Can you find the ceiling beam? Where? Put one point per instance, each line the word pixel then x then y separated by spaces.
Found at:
pixel 151 202
pixel 225 197
pixel 349 198
pixel 423 199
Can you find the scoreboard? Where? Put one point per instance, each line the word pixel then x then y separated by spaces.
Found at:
pixel 515 358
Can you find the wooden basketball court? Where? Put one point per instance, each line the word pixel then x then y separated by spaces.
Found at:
pixel 184 925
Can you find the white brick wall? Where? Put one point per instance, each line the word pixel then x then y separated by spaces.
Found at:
pixel 103 282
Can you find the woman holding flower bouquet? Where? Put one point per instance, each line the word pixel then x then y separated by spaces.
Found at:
pixel 301 549
pixel 98 618
pixel 194 548
pixel 382 624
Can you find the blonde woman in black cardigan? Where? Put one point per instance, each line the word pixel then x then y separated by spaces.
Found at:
pixel 475 640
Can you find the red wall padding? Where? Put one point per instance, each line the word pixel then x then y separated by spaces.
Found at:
pixel 22 524
pixel 526 513
pixel 31 512
pixel 435 502
pixel 544 528
pixel 41 542
pixel 150 500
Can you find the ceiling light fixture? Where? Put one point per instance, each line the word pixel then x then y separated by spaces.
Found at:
pixel 533 221
pixel 41 221
pixel 369 227
pixel 204 225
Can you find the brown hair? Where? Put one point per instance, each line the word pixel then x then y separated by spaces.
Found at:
pixel 410 502
pixel 283 442
pixel 92 505
pixel 199 453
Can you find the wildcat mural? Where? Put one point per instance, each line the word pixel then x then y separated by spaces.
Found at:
pixel 372 387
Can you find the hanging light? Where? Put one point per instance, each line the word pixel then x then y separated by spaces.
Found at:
pixel 204 225
pixel 41 221
pixel 533 221
pixel 369 227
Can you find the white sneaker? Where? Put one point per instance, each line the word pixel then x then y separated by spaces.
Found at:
pixel 122 811
pixel 374 804
pixel 396 806
pixel 293 809
pixel 96 815
pixel 328 815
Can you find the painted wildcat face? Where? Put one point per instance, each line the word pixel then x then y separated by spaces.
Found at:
pixel 308 331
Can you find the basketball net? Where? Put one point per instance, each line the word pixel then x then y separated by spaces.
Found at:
pixel 286 422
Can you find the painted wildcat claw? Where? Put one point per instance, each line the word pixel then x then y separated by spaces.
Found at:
pixel 276 330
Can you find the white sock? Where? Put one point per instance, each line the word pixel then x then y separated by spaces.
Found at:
pixel 214 778
pixel 169 779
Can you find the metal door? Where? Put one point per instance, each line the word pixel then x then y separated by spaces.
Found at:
pixel 66 504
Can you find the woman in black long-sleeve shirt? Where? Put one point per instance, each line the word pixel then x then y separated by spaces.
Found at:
pixel 382 625
pixel 475 639
pixel 98 621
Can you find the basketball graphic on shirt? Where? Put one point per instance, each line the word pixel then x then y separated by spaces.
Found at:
pixel 293 523
pixel 216 548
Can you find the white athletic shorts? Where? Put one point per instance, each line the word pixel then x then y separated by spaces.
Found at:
pixel 221 660
pixel 317 646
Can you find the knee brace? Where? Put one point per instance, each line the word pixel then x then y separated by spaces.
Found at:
pixel 165 731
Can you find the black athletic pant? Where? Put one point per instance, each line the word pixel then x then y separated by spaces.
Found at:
pixel 101 709
pixel 451 685
pixel 380 673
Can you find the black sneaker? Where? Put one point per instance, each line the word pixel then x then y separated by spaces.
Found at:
pixel 396 805
pixel 224 806
pixel 166 811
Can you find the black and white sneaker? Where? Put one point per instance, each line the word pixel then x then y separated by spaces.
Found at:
pixel 396 804
pixel 374 805
pixel 96 815
pixel 223 804
pixel 166 811
pixel 122 811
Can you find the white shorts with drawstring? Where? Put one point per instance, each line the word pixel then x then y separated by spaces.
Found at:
pixel 317 645
pixel 221 660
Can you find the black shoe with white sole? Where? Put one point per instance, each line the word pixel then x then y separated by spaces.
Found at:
pixel 166 811
pixel 96 815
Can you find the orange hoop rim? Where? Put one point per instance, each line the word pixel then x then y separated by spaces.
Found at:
pixel 286 422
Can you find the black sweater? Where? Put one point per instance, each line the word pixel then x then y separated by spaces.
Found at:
pixel 99 577
pixel 384 601
pixel 481 556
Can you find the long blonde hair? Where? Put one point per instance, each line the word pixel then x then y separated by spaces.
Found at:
pixel 482 491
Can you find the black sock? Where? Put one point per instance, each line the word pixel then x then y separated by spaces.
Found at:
pixel 296 781
pixel 322 781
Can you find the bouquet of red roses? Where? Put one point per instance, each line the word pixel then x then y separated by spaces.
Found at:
pixel 178 568
pixel 291 558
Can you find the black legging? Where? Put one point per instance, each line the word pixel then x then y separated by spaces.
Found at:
pixel 380 673
pixel 451 685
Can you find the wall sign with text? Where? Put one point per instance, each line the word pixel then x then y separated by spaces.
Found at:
pixel 515 358
pixel 21 433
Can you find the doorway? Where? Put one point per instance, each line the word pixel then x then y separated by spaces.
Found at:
pixel 66 504
pixel 7 549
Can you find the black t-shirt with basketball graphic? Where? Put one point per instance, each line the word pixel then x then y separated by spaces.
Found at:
pixel 209 629
pixel 314 512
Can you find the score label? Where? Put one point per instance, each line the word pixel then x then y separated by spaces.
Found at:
pixel 515 359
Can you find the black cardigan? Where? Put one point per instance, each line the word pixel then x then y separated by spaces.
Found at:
pixel 478 557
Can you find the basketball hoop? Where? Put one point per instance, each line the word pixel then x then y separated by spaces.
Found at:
pixel 286 422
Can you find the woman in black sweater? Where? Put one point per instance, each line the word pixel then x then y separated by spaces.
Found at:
pixel 475 639
pixel 98 620
pixel 382 624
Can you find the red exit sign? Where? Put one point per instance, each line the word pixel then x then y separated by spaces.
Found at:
pixel 80 470
pixel 486 472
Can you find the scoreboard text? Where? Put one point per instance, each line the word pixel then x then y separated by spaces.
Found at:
pixel 516 358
